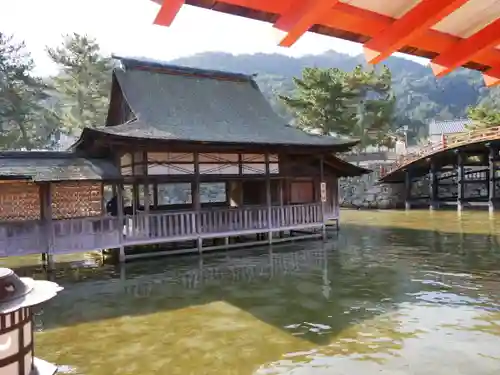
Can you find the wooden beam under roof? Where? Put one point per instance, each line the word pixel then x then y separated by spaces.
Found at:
pixel 300 17
pixel 168 12
pixel 353 23
pixel 492 76
pixel 413 23
pixel 467 49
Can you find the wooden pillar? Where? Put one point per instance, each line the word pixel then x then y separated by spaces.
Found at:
pixel 281 202
pixel 322 195
pixel 460 180
pixel 492 177
pixel 155 195
pixel 195 191
pixel 268 200
pixel 135 190
pixel 121 222
pixel 45 198
pixel 145 189
pixel 408 181
pixel 433 185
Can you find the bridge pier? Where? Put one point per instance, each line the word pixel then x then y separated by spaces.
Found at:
pixel 433 186
pixel 408 182
pixel 492 178
pixel 460 180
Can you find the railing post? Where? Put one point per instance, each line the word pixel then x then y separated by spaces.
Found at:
pixel 45 194
pixel 322 195
pixel 195 192
pixel 121 222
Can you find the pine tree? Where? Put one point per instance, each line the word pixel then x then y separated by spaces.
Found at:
pixel 83 83
pixel 322 102
pixel 26 121
pixel 359 104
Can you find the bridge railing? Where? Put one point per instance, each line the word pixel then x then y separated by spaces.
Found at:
pixel 447 142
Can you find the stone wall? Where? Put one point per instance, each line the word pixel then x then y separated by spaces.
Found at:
pixel 365 192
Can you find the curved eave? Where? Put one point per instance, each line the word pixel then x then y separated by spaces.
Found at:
pixel 90 134
pixel 345 168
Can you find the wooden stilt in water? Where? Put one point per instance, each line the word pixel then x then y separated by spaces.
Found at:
pixel 408 182
pixel 460 180
pixel 492 156
pixel 433 186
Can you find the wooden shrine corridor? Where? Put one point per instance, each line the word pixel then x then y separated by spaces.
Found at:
pixel 105 232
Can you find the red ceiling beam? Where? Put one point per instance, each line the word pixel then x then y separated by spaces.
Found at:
pixel 361 21
pixel 492 77
pixel 346 17
pixel 467 49
pixel 405 29
pixel 300 17
pixel 168 11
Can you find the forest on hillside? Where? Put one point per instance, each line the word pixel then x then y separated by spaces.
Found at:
pixel 37 112
pixel 420 97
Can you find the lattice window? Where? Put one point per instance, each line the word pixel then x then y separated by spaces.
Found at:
pixel 76 199
pixel 19 201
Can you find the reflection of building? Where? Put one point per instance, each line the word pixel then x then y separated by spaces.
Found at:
pixel 231 270
pixel 439 128
pixel 208 270
pixel 170 126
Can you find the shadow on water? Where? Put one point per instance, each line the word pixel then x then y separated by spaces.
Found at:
pixel 280 287
pixel 364 296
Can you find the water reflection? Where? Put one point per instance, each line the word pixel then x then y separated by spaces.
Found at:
pixel 393 294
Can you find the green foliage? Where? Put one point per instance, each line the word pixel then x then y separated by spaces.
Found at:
pixel 322 101
pixel 83 83
pixel 26 121
pixel 483 116
pixel 358 104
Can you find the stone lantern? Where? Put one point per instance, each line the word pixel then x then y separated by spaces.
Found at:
pixel 17 298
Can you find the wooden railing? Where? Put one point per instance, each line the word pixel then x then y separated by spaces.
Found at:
pixel 149 228
pixel 448 142
pixel 21 238
pixel 95 233
pixel 86 234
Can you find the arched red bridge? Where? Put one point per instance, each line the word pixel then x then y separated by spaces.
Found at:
pixel 473 142
pixel 457 162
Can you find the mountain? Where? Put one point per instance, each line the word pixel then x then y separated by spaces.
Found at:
pixel 420 96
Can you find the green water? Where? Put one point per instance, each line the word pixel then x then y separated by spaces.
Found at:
pixel 396 293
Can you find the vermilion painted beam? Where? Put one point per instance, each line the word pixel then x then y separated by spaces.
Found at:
pixel 346 17
pixel 168 11
pixel 467 49
pixel 413 23
pixel 492 77
pixel 361 21
pixel 300 17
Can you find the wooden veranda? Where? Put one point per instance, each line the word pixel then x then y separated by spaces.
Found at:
pixel 172 135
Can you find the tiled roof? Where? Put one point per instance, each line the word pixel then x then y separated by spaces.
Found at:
pixel 448 127
pixel 54 166
pixel 186 104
